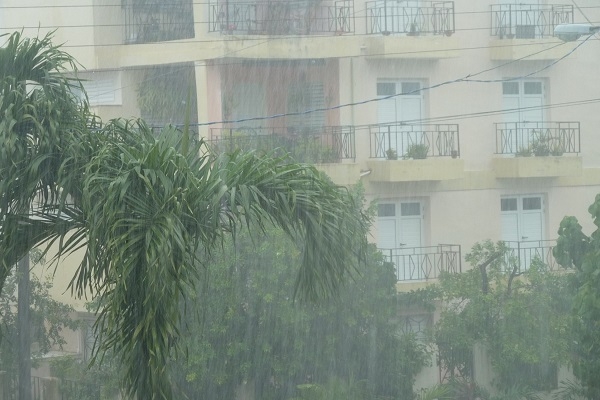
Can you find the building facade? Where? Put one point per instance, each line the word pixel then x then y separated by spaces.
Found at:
pixel 465 120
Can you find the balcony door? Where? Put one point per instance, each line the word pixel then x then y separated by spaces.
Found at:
pixel 523 226
pixel 524 102
pixel 400 231
pixel 400 115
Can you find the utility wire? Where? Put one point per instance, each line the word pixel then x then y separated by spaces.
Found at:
pixel 229 63
pixel 466 78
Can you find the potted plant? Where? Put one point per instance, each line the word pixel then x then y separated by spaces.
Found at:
pixel 413 30
pixel 391 154
pixel 523 152
pixel 417 151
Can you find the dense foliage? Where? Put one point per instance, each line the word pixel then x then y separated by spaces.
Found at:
pixel 251 335
pixel 49 319
pixel 580 252
pixel 143 206
pixel 521 319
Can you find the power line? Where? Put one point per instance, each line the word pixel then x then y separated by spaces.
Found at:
pixel 467 78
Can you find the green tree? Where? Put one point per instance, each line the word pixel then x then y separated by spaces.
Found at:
pixel 49 318
pixel 521 318
pixel 575 250
pixel 250 330
pixel 143 205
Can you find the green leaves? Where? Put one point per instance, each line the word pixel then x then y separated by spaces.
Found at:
pixel 522 320
pixel 142 206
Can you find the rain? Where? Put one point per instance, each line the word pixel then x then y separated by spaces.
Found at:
pixel 299 200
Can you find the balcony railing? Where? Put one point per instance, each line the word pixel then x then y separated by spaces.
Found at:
pixel 424 263
pixel 537 138
pixel 528 21
pixel 330 144
pixel 390 17
pixel 295 17
pixel 523 253
pixel 159 21
pixel 441 140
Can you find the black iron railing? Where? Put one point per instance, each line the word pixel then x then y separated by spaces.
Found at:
pixel 538 138
pixel 528 21
pixel 393 17
pixel 158 21
pixel 295 17
pixel 424 263
pixel 439 140
pixel 329 144
pixel 523 253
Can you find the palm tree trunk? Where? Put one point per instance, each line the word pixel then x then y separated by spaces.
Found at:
pixel 23 319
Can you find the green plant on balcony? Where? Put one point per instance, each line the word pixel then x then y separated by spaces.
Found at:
pixel 417 151
pixel 309 149
pixel 523 152
pixel 391 154
pixel 543 144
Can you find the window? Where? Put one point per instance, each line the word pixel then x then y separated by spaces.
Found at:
pixel 102 87
pixel 303 97
pixel 524 116
pixel 399 116
pixel 400 236
pixel 416 324
pixel 523 227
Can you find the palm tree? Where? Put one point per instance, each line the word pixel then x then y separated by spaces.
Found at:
pixel 36 104
pixel 144 208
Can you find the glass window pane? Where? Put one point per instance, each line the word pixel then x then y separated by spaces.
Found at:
pixel 510 87
pixel 532 203
pixel 532 88
pixel 386 89
pixel 508 204
pixel 407 209
pixel 411 88
pixel 386 210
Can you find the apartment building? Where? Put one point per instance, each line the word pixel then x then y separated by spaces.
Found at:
pixel 465 120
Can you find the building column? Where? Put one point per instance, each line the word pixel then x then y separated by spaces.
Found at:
pixel 208 93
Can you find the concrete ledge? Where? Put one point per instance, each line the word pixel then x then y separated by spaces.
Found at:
pixel 342 174
pixel 395 47
pixel 514 49
pixel 537 167
pixel 430 169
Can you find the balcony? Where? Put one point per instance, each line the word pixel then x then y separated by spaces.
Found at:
pixel 410 31
pixel 523 253
pixel 323 145
pixel 540 149
pixel 157 21
pixel 513 26
pixel 413 264
pixel 295 17
pixel 414 152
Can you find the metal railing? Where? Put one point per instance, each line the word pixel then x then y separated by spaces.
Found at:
pixel 424 263
pixel 528 21
pixel 157 22
pixel 440 140
pixel 537 138
pixel 389 17
pixel 295 17
pixel 523 253
pixel 328 144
